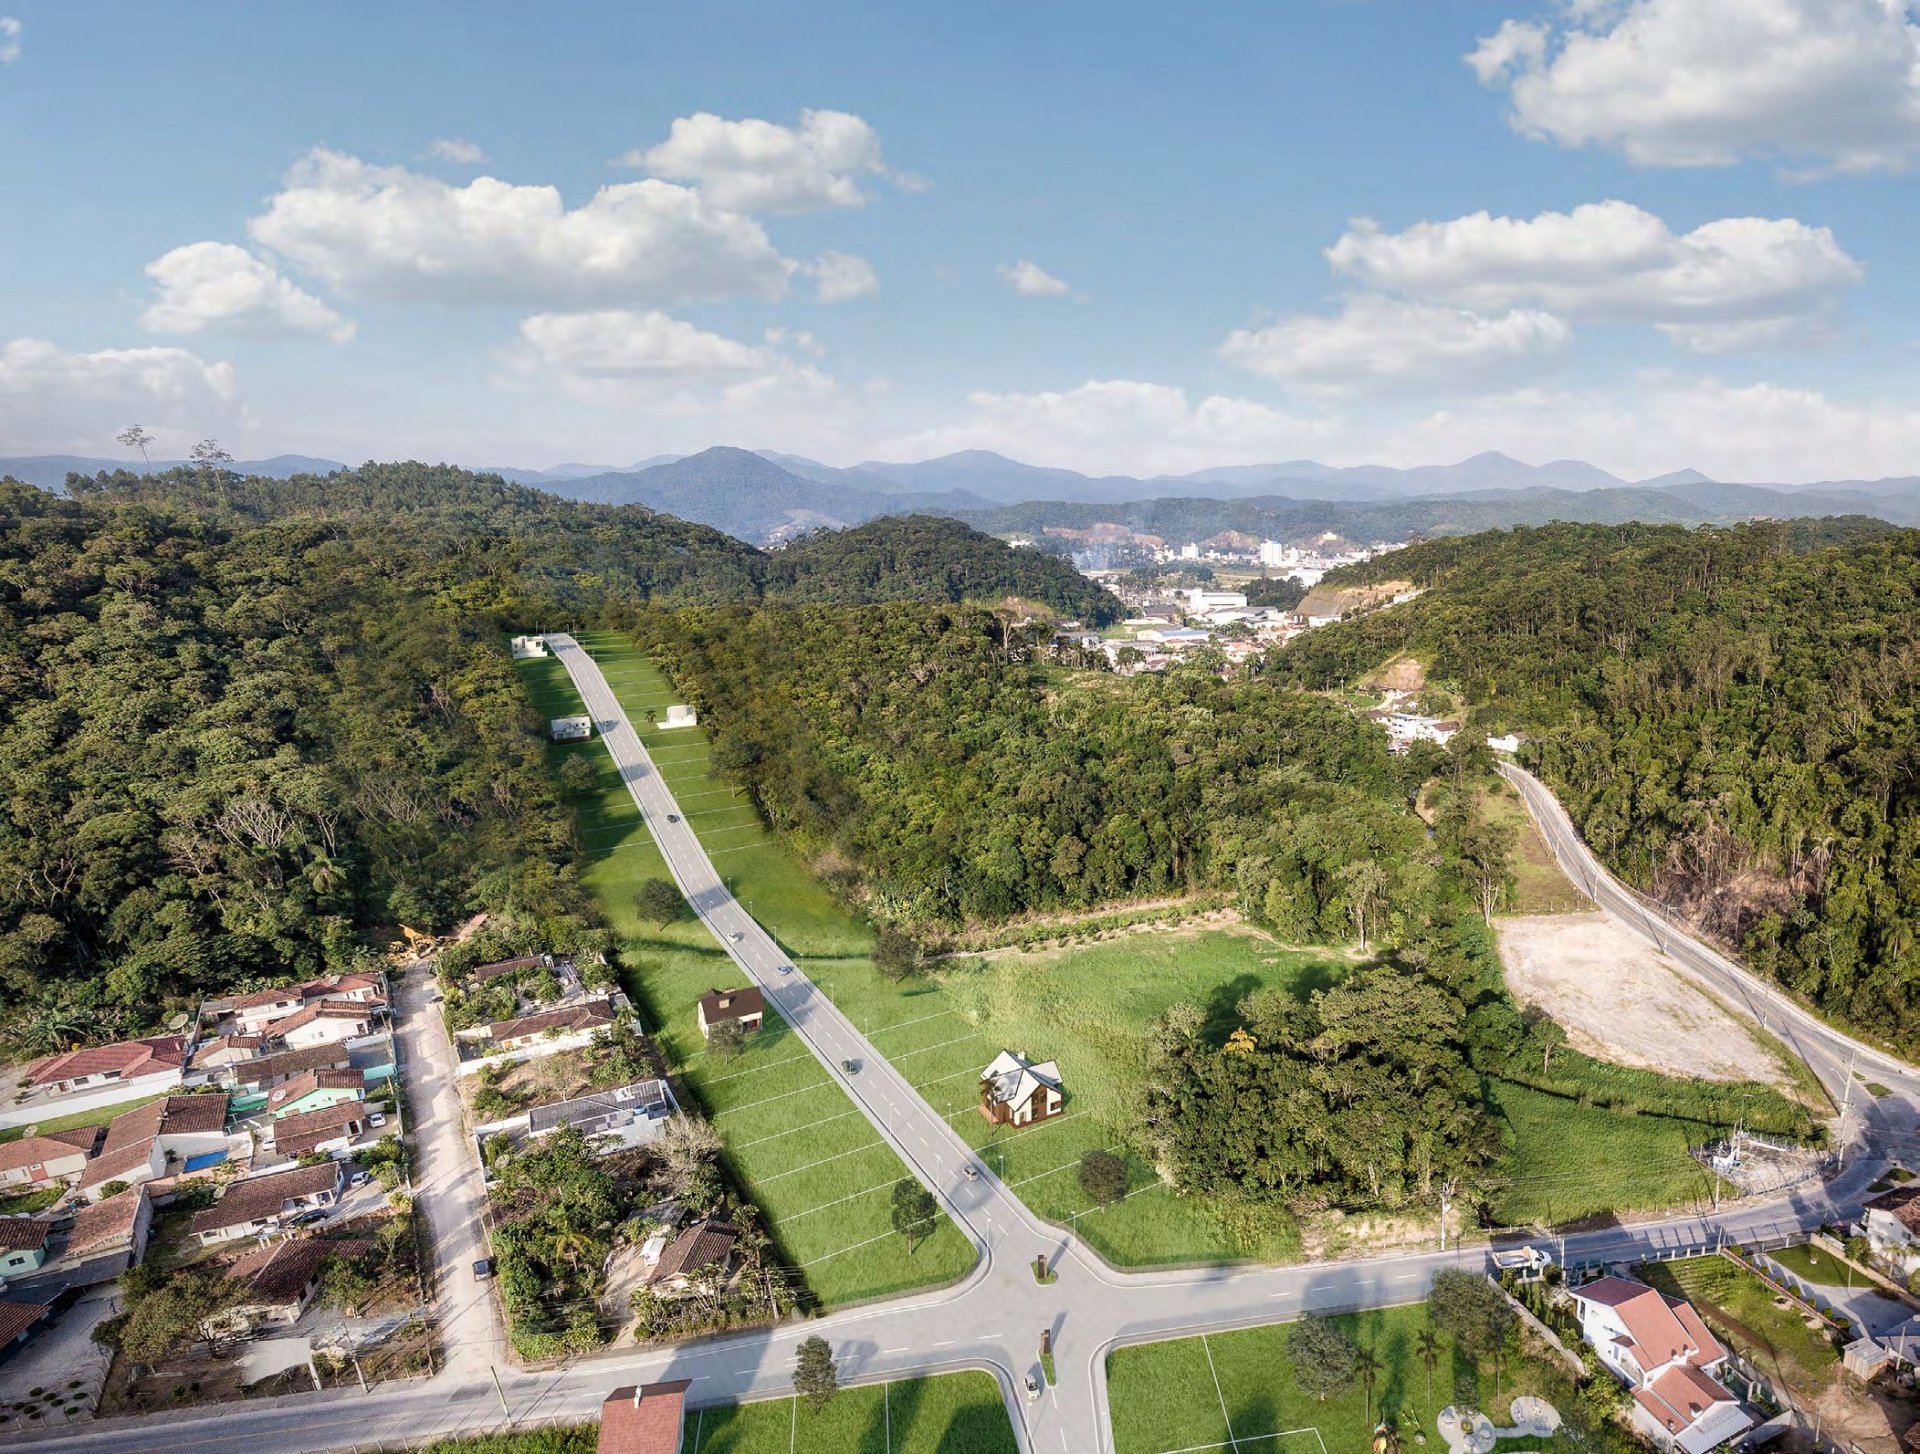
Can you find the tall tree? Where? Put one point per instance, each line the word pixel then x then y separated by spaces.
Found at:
pixel 816 1377
pixel 915 1211
pixel 1324 1359
pixel 134 437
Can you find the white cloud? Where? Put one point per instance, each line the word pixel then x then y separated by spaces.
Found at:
pixel 1030 280
pixel 761 166
pixel 9 40
pixel 457 149
pixel 800 338
pixel 1120 425
pixel 51 399
pixel 1387 345
pixel 388 233
pixel 618 342
pixel 217 285
pixel 1730 283
pixel 1707 82
pixel 840 276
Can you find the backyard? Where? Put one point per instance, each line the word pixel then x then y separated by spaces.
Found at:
pixel 1235 1389
pixel 1766 1328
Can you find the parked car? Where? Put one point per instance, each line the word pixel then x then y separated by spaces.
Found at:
pixel 307 1219
pixel 360 1178
pixel 483 1268
pixel 376 1119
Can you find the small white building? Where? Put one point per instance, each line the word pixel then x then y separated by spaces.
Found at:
pixel 1507 742
pixel 1662 1351
pixel 1200 600
pixel 1893 1226
pixel 680 715
pixel 570 729
pixel 525 647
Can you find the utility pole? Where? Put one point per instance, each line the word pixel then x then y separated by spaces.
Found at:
pixel 505 1411
pixel 1446 1194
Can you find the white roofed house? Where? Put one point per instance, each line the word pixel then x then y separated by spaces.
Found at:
pixel 1016 1091
pixel 570 729
pixel 1659 1347
pixel 323 1023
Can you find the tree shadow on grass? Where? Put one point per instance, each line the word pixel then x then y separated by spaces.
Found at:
pixel 1220 1015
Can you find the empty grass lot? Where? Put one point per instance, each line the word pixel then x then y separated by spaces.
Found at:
pixel 98 1116
pixel 1237 1388
pixel 957 1413
pixel 803 1152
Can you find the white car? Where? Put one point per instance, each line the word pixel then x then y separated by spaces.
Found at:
pixel 376 1119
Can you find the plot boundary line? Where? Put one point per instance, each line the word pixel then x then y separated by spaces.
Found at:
pixel 1219 1392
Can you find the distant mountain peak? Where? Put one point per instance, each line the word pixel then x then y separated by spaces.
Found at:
pixel 1678 477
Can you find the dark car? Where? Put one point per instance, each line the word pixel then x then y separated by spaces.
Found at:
pixel 673 817
pixel 307 1219
pixel 483 1268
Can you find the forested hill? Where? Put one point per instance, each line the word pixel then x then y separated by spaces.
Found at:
pixel 1732 716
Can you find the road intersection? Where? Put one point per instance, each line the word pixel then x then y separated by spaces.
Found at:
pixel 992 1318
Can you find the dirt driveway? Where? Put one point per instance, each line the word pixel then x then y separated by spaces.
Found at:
pixel 1619 1000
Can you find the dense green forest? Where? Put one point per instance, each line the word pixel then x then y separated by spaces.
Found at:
pixel 1732 717
pixel 243 721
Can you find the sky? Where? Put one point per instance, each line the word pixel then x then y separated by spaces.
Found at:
pixel 1115 237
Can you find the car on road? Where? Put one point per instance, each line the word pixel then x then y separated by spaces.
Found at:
pixel 1033 1389
pixel 851 1067
pixel 970 1171
pixel 307 1219
pixel 784 968
pixel 483 1268
pixel 738 935
pixel 673 817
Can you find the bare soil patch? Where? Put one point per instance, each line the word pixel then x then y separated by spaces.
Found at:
pixel 1620 1001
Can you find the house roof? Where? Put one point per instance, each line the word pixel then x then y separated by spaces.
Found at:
pixel 1662 1328
pixel 737 1004
pixel 289 1063
pixel 306 1083
pixel 52 1146
pixel 206 1049
pixel 23 1234
pixel 320 1010
pixel 128 1057
pixel 280 1272
pixel 701 1245
pixel 1012 1078
pixel 16 1318
pixel 286 994
pixel 484 972
pixel 586 1014
pixel 298 1134
pixel 109 1220
pixel 118 1165
pixel 644 1420
pixel 641 1096
pixel 259 1197
pixel 1681 1397
pixel 168 1116
pixel 1902 1203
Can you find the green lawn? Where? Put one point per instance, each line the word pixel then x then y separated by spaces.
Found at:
pixel 569 1439
pixel 957 1413
pixel 1813 1265
pixel 1740 1307
pixel 1570 1161
pixel 1199 1393
pixel 97 1117
pixel 797 1144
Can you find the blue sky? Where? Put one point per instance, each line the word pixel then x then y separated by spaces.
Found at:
pixel 1650 233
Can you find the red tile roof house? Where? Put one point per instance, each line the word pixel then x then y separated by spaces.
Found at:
pixel 18 1320
pixel 322 1023
pixel 705 1244
pixel 158 1139
pixel 1661 1350
pixel 272 1070
pixel 322 1130
pixel 644 1420
pixel 569 1020
pixel 55 1156
pixel 264 1203
pixel 112 1233
pixel 251 1013
pixel 281 1278
pixel 23 1246
pixel 97 1065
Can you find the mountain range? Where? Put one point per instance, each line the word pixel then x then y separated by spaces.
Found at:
pixel 768 497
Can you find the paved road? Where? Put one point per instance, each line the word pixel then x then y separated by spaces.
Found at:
pixel 992 1319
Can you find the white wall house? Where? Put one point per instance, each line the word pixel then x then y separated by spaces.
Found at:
pixel 1893 1226
pixel 1662 1351
pixel 680 716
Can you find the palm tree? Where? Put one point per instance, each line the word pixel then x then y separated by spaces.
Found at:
pixel 1366 1363
pixel 1427 1345
pixel 570 1244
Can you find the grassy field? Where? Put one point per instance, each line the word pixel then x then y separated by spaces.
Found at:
pixel 1570 1161
pixel 804 1154
pixel 1813 1265
pixel 96 1117
pixel 957 1413
pixel 1539 885
pixel 1203 1393
pixel 1740 1306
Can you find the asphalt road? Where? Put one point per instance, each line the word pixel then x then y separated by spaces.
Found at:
pixel 990 1320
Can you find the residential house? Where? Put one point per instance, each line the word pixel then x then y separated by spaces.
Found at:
pixel 330 1128
pixel 649 1419
pixel 225 1050
pixel 582 1018
pixel 570 729
pixel 313 1089
pixel 52 1156
pixel 484 973
pixel 254 1014
pixel 704 1245
pixel 1662 1351
pixel 634 1114
pixel 131 1165
pixel 745 1007
pixel 1016 1091
pixel 265 1203
pixel 680 715
pixel 158 1059
pixel 323 1023
pixel 1893 1226
pixel 18 1320
pixel 111 1235
pixel 280 1279
pixel 272 1070
pixel 23 1246
pixel 525 647
pixel 186 1129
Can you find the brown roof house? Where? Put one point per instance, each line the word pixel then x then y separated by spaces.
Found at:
pixel 23 1246
pixel 1016 1091
pixel 644 1420
pixel 55 1156
pixel 266 1203
pixel 746 1007
pixel 1893 1226
pixel 269 1071
pixel 329 1128
pixel 170 1136
pixel 17 1322
pixel 281 1279
pixel 97 1065
pixel 323 1023
pixel 705 1245
pixel 109 1236
pixel 575 1019
pixel 1661 1350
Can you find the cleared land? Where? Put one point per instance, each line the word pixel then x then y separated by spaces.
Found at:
pixel 1540 886
pixel 802 1151
pixel 1618 1000
pixel 1238 1388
